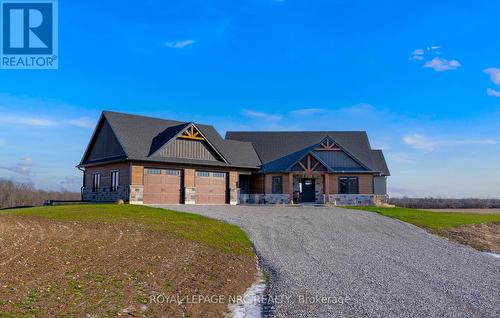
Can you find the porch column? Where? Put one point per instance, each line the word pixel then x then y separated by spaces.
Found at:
pixel 233 187
pixel 290 186
pixel 327 187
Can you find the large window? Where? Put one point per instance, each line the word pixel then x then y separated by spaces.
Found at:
pixel 277 185
pixel 115 180
pixel 348 185
pixel 96 181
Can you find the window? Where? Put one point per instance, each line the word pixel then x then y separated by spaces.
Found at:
pixel 173 172
pixel 277 185
pixel 153 171
pixel 203 173
pixel 219 174
pixel 96 181
pixel 115 180
pixel 348 185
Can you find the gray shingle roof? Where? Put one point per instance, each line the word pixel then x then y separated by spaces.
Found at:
pixel 274 147
pixel 379 162
pixel 141 136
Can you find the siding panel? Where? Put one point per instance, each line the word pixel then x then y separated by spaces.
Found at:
pixel 106 144
pixel 380 185
pixel 188 149
pixel 338 160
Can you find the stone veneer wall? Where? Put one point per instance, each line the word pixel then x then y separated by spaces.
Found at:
pixel 189 195
pixel 104 194
pixel 357 199
pixel 136 194
pixel 264 199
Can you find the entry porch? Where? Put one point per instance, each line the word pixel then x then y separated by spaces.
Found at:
pixel 309 188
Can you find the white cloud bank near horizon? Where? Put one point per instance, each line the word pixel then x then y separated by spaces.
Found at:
pixel 418 141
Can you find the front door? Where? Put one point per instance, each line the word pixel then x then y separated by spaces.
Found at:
pixel 308 190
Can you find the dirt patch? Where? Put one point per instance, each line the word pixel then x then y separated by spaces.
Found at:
pixel 478 211
pixel 82 269
pixel 483 237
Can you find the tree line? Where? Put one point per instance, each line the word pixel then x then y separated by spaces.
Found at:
pixel 15 194
pixel 438 203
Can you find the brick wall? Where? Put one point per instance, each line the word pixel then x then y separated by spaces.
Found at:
pixel 105 193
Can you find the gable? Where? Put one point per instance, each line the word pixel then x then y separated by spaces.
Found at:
pixel 188 149
pixel 338 160
pixel 189 144
pixel 104 144
pixel 336 157
pixel 327 145
pixel 309 164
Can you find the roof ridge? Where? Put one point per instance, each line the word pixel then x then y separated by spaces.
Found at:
pixel 144 116
pixel 296 131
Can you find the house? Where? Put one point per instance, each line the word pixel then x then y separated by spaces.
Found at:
pixel 145 160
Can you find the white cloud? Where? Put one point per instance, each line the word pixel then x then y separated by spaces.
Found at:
pixel 493 92
pixel 433 47
pixel 82 122
pixel 25 120
pixel 179 44
pixel 401 158
pixel 421 142
pixel 440 65
pixel 70 183
pixel 417 55
pixel 23 167
pixel 307 111
pixel 359 109
pixel 494 74
pixel 20 119
pixel 256 114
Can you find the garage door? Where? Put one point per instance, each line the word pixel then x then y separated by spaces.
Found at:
pixel 210 187
pixel 162 186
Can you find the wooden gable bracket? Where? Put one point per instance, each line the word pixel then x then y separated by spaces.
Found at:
pixel 309 167
pixel 191 133
pixel 327 145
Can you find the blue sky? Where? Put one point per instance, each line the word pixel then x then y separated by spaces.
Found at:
pixel 422 78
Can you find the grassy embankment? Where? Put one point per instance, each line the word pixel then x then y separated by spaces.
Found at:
pixel 481 231
pixel 213 233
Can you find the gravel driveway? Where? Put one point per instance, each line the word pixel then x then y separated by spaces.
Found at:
pixel 385 267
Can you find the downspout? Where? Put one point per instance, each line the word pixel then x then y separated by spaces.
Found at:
pixel 83 186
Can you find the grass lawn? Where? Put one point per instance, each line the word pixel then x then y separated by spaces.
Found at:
pixel 432 220
pixel 112 260
pixel 213 233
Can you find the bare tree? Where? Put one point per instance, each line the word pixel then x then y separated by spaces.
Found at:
pixel 438 203
pixel 14 194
